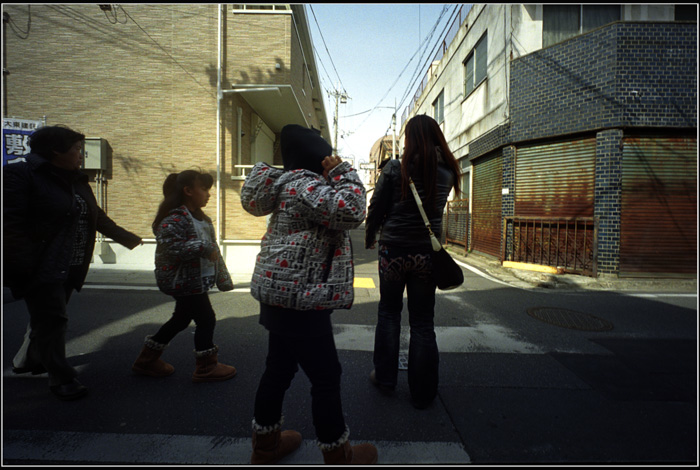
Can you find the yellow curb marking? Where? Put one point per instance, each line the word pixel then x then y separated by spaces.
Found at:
pixel 364 282
pixel 531 267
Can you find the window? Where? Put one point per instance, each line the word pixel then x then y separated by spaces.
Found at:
pixel 475 66
pixel 685 13
pixel 439 108
pixel 562 22
pixel 261 7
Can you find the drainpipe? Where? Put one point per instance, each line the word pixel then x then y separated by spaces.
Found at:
pixel 219 95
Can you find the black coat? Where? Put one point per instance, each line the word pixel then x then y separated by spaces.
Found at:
pixel 398 219
pixel 40 218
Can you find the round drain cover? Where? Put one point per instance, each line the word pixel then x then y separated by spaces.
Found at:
pixel 569 319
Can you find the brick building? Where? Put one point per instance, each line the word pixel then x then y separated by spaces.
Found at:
pixel 576 128
pixel 166 88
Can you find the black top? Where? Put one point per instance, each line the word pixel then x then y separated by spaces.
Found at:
pixel 399 220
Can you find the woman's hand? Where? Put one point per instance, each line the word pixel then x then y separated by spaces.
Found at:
pixel 329 163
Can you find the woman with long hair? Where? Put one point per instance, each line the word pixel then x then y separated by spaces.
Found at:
pixel 405 256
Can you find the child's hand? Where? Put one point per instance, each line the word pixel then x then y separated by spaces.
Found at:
pixel 329 163
pixel 214 256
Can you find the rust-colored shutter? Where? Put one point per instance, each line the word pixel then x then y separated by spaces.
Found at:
pixel 659 206
pixel 556 179
pixel 486 205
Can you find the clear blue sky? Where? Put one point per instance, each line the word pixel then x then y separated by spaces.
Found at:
pixel 369 46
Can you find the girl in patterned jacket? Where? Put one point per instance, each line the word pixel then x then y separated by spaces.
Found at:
pixel 304 270
pixel 188 264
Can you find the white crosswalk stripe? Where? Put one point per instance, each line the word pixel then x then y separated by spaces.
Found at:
pixel 110 448
pixel 484 338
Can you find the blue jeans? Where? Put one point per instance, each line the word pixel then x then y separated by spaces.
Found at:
pixel 410 269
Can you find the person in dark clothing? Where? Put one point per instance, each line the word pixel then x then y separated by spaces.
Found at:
pixel 50 218
pixel 405 256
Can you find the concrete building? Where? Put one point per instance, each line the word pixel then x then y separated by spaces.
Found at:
pixel 162 88
pixel 383 150
pixel 576 129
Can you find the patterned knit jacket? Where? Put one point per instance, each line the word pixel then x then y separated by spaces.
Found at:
pixel 305 261
pixel 179 253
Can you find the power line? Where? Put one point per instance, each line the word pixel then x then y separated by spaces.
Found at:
pixel 426 40
pixel 326 46
pixel 421 66
pixel 166 52
pixel 16 29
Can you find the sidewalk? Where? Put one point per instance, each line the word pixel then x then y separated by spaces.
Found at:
pixel 533 280
pixel 137 276
pixel 124 275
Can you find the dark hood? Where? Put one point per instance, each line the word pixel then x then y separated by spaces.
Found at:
pixel 303 148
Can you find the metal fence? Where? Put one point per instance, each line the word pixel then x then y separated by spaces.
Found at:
pixel 567 243
pixel 456 222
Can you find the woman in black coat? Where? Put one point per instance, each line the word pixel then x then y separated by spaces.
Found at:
pixel 50 218
pixel 405 256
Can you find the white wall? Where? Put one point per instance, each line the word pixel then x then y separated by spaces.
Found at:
pixel 240 256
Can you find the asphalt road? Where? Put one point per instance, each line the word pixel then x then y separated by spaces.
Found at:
pixel 514 387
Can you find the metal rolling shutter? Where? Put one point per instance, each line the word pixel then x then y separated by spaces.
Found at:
pixel 556 179
pixel 486 205
pixel 659 206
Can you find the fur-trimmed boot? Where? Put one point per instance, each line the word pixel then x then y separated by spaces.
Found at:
pixel 149 361
pixel 270 443
pixel 209 369
pixel 341 452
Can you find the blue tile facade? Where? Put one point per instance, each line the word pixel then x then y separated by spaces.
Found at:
pixel 607 197
pixel 623 76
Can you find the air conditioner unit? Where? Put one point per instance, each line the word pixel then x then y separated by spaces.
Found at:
pixel 96 153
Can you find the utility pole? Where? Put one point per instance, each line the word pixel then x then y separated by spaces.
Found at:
pixel 343 97
pixel 393 125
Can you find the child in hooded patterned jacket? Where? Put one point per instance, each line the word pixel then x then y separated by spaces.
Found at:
pixel 188 264
pixel 304 270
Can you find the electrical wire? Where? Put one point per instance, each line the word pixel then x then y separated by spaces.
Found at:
pixel 15 29
pixel 420 47
pixel 326 46
pixel 167 53
pixel 322 64
pixel 421 67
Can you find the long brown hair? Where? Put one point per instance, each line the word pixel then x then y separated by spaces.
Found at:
pixel 173 191
pixel 420 157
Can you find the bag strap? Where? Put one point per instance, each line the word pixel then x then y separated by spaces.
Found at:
pixel 437 246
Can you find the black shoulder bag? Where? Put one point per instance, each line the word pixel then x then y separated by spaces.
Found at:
pixel 447 274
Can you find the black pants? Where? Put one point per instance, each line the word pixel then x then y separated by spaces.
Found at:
pixel 316 354
pixel 46 304
pixel 187 308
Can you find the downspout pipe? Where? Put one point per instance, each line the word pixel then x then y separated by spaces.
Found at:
pixel 219 96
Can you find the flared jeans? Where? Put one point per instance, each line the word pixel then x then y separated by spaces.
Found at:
pixel 410 269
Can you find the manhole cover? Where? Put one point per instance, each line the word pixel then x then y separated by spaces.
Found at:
pixel 569 319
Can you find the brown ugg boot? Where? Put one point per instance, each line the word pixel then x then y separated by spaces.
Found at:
pixel 209 369
pixel 270 444
pixel 342 453
pixel 149 362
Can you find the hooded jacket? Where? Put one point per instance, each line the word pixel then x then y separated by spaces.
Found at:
pixel 305 260
pixel 179 253
pixel 40 219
